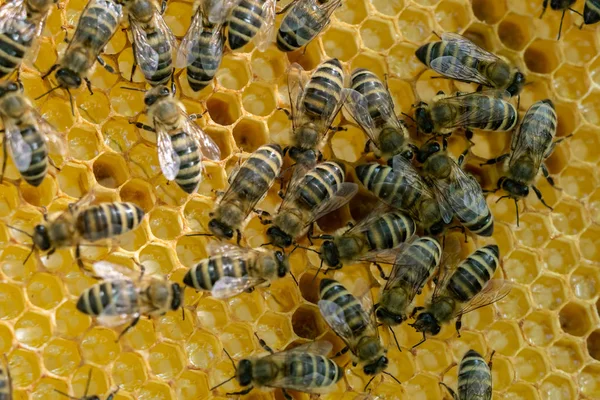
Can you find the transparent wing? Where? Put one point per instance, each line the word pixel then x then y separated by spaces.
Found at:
pixel 358 107
pixel 50 134
pixel 145 55
pixel 190 50
pixel 451 67
pixel 294 185
pixel 469 48
pixel 20 150
pixel 90 21
pixel 344 194
pixel 404 170
pixel 475 115
pixel 109 271
pixel 230 250
pixel 120 308
pixel 450 261
pixel 495 290
pixel 218 10
pixel 320 348
pixel 185 55
pixel 167 157
pixel 437 187
pixel 386 109
pixel 12 13
pixel 329 113
pixel 528 141
pixel 266 34
pixel 334 316
pixel 208 147
pixel 228 286
pixel 296 83
pixel 310 12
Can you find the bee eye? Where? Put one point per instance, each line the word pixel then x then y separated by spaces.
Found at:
pixel 165 92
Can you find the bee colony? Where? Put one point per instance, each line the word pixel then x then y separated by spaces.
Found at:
pixel 544 334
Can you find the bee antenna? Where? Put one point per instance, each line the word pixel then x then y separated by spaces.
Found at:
pixel 199 234
pixel 133 88
pixel 517 210
pixel 392 376
pixel 20 230
pixel 409 117
pixel 319 270
pixel 304 248
pixel 66 394
pixel 395 338
pixel 294 278
pixel 182 306
pixel 48 92
pixel 368 383
pixel 230 379
pixel 87 385
pixel 267 244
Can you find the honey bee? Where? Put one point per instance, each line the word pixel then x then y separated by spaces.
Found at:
pixel 181 144
pixel 531 144
pixel 461 290
pixel 251 20
pixel 304 368
pixel 488 111
pixel 248 186
pixel 85 396
pixel 126 295
pixel 401 187
pixel 458 193
pixel 474 378
pixel 310 195
pixel 201 50
pixel 303 22
pixel 314 104
pixel 353 322
pixel 560 5
pixel 366 240
pixel 153 42
pixel 231 270
pixel 21 24
pixel 90 223
pixel 27 134
pixel 458 58
pixel 5 381
pixel 372 107
pixel 97 25
pixel 591 12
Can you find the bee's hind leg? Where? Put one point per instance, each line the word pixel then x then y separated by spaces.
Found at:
pixel 263 344
pixel 130 326
pixel 539 196
pixel 548 177
pixel 105 65
pixel 4 159
pixel 452 393
pixel 458 325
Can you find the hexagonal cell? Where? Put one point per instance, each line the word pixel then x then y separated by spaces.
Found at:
pixel 489 12
pixel 55 112
pixel 569 217
pixel 372 62
pixel 571 82
pixel 352 12
pixel 348 145
pixel 308 323
pixel 566 355
pixel 94 108
pixel 24 367
pixel 70 322
pixel 561 255
pixel 415 24
pixel 515 31
pixel 8 200
pixel 515 305
pixel 542 56
pixel 523 266
pixel 119 134
pixel 127 103
pixel 579 46
pixel 192 385
pixel 585 282
pixel 502 372
pixel 505 337
pixel 12 302
pixel 139 192
pixel 577 181
pixel 132 240
pixel 211 314
pixel 590 107
pixel 203 350
pixel 586 139
pixel 549 292
pixel 377 35
pixel 589 381
pixel 74 180
pixel 6 338
pixel 129 371
pixel 453 16
pixel 589 243
pixel 423 385
pixel 100 346
pixel 432 356
pixel 157 258
pixel 42 195
pixel 568 120
pixel 402 61
pixel 110 170
pixel 223 108
pixel 575 319
pixel 33 329
pixel 557 386
pixel 259 99
pixel 61 357
pixel 534 230
pixel 275 329
pixel 522 391
pixel 427 86
pixel 246 307
pixel 530 365
pixel 233 72
pixel 238 339
pixel 267 65
pixel 340 43
pixel 388 7
pixel 166 360
pixel 142 336
pixel 250 134
pixel 593 345
pixel 165 223
pixel 46 388
pixel 83 143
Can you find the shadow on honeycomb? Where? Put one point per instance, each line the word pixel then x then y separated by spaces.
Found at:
pixel 546 333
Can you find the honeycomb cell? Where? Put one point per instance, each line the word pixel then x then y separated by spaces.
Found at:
pixel 585 282
pixel 275 329
pixel 129 371
pixel 561 255
pixel 389 8
pixel 542 56
pixel 424 386
pixel 589 243
pixel 453 16
pixel 267 65
pixel 371 62
pixel 40 196
pixel 127 103
pixel 157 258
pixel 233 73
pixel 250 134
pixel 223 108
pixel 55 112
pixel 258 99
pixel 415 24
pixel 191 385
pixel 402 61
pixel 138 192
pixel 74 180
pixel 566 355
pixel 516 305
pixel 165 223
pixel 557 386
pixel 8 199
pixel 203 350
pixel 569 217
pixel 505 337
pixel 549 292
pixel 119 134
pixel 377 35
pixel 237 339
pixel 523 266
pixel 211 314
pixel 432 356
pixel 489 12
pixel 83 143
pixel 515 31
pixel 579 46
pixel 166 360
pixel 100 346
pixel 502 372
pixel 589 381
pixel 70 322
pixel 540 328
pixel 46 388
pixel 33 329
pixel 61 357
pixel 93 108
pixel 6 338
pixel 575 319
pixel 24 367
pixel 12 303
pixel 133 240
pixel 352 12
pixel 585 140
pixel 522 391
pixel 530 365
pixel 534 230
pixel 110 170
pixel 332 39
pixel 142 336
pixel 348 145
pixel 589 107
pixel 571 82
pixel 593 345
pixel 12 264
pixel 173 14
pixel 308 323
pixel 246 307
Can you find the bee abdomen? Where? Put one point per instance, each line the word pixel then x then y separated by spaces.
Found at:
pixel 97 298
pixel 473 273
pixel 298 28
pixel 12 50
pixel 502 115
pixel 369 85
pixel 331 290
pixel 258 173
pixel 5 389
pixel 35 173
pixel 388 185
pixel 474 375
pixel 207 272
pixel 207 59
pixel 108 220
pixel 190 166
pixel 325 87
pixel 540 120
pixel 482 225
pixel 321 183
pixel 97 25
pixel 390 230
pixel 323 371
pixel 244 22
pixel 162 47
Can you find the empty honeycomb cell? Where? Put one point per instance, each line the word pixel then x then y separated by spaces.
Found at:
pixel 348 145
pixel 223 108
pixel 575 319
pixel 246 307
pixel 74 180
pixel 489 12
pixel 531 365
pixel 577 181
pixel 516 305
pixel 453 16
pixel 432 356
pixel 191 385
pixel 402 62
pixel 561 255
pixel 505 337
pixel 549 292
pixel 237 339
pixel 593 345
pixel 332 39
pixel 586 139
pixel 211 314
pixel 100 346
pixel 415 24
pixel 585 282
pixel 502 372
pixel 258 99
pixel 377 35
pixel 139 192
pixel 515 31
pixel 24 367
pixel 33 329
pixel 571 82
pixel 203 350
pixel 534 230
pixel 129 371
pixel 422 385
pixel 308 323
pixel 566 355
pixel 119 134
pixel 542 56
pixel 157 258
pixel 55 112
pixel 41 195
pixel 522 391
pixel 165 223
pixel 266 65
pixel 275 329
pixel 110 170
pixel 166 360
pixel 569 217
pixel 61 357
pixel 142 336
pixel 12 303
pixel 70 322
pixel 523 266
pixel 352 12
pixel 125 61
pixel 568 121
pixel 133 240
pixel 127 103
pixel 250 134
pixel 589 107
pixel 589 243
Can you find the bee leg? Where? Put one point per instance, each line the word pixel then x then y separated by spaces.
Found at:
pixel 496 160
pixel 78 257
pixel 263 344
pixel 51 163
pixel 341 352
pixel 89 85
pixel 549 178
pixel 130 326
pixel 544 7
pixel 241 392
pixel 239 236
pixel 105 65
pixel 539 196
pixel 261 214
pixel 491 356
pixel 381 272
pixel 51 70
pixel 561 24
pixel 287 7
pixel 289 114
pixel 367 148
pixel 286 395
pixel 338 128
pixel 142 126
pixel 163 7
pixel 469 135
pixel 415 311
pixel 112 394
pixel 452 393
pixel 4 158
pixel 458 325
pixel 134 66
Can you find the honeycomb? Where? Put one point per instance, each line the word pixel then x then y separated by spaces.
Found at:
pixel 546 333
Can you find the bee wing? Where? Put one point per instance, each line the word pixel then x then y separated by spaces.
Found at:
pixel 476 115
pixel 34 49
pixel 468 47
pixel 451 67
pixel 265 35
pixel 206 145
pixel 228 286
pixel 331 110
pixel 294 185
pixel 10 13
pixel 167 157
pixel 20 150
pixel 334 316
pixel 119 308
pixel 230 250
pixel 109 271
pixel 306 10
pixel 319 347
pixel 404 169
pixel 495 290
pixel 343 195
pixel 145 55
pixel 218 10
pixel 296 83
pixel 185 55
pixel 358 106
pixel 528 142
pixel 50 134
pixel 386 109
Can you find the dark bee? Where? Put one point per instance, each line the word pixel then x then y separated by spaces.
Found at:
pixel 474 378
pixel 181 143
pixel 531 144
pixel 591 12
pixel 310 195
pixel 458 193
pixel 560 5
pixel 231 270
pixel 201 50
pixel 372 236
pixel 456 57
pixel 303 22
pixel 462 289
pixel 402 188
pixel 250 20
pixel 153 42
pixel 85 393
pixel 22 23
pixel 126 295
pixel 248 186
pixel 6 392
pixel 488 111
pixel 314 104
pixel 372 107
pixel 27 134
pixel 304 368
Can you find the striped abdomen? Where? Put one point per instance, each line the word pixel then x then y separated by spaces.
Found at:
pixel 473 273
pixel 301 24
pixel 207 272
pixel 502 115
pixel 389 231
pixel 207 54
pixel 108 220
pixel 476 215
pixel 160 43
pixel 97 24
pixel 331 290
pixel 431 51
pixel 35 173
pixel 591 12
pixel 320 184
pixel 5 383
pixel 190 161
pixel 13 46
pixel 539 124
pixel 244 22
pixel 120 295
pixel 310 370
pixel 324 89
pixel 369 85
pixel 418 262
pixel 474 378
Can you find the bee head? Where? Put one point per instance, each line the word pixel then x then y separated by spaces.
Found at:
pixel 155 94
pixel 423 118
pixel 517 83
pixel 278 237
pixel 426 322
pixel 330 254
pixel 8 87
pixel 303 156
pixel 244 372
pixel 220 229
pixel 387 317
pixel 427 151
pixel 177 297
pixel 516 189
pixel 68 78
pixel 41 238
pixel 283 264
pixel 376 367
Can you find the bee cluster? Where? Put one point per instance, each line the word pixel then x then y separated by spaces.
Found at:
pixel 418 190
